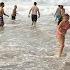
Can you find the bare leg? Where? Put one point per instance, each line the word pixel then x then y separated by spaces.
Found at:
pixel 61 50
pixel 32 22
pixel 61 42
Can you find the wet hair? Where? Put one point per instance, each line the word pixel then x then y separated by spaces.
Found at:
pixel 59 5
pixel 2 3
pixel 35 3
pixel 66 15
pixel 15 6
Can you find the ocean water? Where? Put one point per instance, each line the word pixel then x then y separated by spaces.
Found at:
pixel 43 2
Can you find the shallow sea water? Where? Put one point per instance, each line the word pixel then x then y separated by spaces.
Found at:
pixel 24 47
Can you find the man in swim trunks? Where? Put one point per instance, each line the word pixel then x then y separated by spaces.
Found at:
pixel 1 14
pixel 34 10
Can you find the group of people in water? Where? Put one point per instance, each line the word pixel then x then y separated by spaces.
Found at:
pixel 13 16
pixel 34 11
pixel 62 27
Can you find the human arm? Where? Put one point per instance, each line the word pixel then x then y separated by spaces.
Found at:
pixel 29 12
pixel 56 11
pixel 38 13
pixel 6 15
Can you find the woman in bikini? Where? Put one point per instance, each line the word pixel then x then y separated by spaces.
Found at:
pixel 61 32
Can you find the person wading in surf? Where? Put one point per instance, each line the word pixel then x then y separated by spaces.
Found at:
pixel 34 11
pixel 1 14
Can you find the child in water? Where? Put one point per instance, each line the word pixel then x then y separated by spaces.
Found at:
pixel 13 16
pixel 61 32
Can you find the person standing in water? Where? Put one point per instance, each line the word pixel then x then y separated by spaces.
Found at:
pixel 62 13
pixel 1 14
pixel 61 32
pixel 34 10
pixel 62 10
pixel 13 16
pixel 58 13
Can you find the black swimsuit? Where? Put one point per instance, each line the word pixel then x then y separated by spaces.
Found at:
pixel 34 17
pixel 13 17
pixel 1 21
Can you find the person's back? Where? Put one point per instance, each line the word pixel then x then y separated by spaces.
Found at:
pixel 35 10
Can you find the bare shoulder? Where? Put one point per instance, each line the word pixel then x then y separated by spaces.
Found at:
pixel 32 7
pixel 37 8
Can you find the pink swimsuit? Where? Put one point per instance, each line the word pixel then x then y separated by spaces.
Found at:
pixel 64 27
